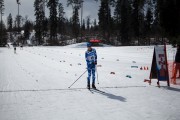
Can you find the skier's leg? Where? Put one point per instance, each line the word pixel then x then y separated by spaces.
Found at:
pixel 93 75
pixel 93 78
pixel 89 76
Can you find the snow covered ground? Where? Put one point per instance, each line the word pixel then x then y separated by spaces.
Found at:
pixel 34 85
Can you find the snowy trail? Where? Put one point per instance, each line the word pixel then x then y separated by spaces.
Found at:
pixel 35 87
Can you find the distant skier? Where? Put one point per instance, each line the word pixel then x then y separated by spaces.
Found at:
pixel 21 46
pixel 91 59
pixel 14 45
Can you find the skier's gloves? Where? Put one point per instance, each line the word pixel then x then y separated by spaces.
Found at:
pixel 95 63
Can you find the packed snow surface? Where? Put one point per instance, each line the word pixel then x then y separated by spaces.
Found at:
pixel 34 85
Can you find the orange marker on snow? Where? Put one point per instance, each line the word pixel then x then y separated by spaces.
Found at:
pixel 144 68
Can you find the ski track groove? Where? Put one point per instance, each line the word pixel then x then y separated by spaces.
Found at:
pixel 68 89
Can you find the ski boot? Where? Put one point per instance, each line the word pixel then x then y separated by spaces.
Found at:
pixel 88 86
pixel 93 86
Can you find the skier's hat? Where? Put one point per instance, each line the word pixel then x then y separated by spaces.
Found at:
pixel 89 44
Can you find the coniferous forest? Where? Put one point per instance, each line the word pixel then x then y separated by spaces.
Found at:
pixel 120 22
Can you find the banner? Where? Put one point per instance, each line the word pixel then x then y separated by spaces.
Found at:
pixel 161 63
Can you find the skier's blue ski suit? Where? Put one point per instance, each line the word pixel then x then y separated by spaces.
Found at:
pixel 91 59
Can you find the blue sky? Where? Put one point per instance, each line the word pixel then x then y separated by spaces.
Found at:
pixel 26 8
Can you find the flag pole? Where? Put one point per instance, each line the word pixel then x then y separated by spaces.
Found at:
pixel 167 70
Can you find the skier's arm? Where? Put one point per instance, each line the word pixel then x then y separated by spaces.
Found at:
pixel 95 56
pixel 95 59
pixel 86 57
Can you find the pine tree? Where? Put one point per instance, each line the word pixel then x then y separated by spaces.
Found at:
pixel 83 25
pixel 88 22
pixel 95 25
pixel 3 34
pixel 45 26
pixel 76 5
pixel 40 15
pixel 122 21
pixel 125 13
pixel 9 23
pixel 75 22
pixel 27 28
pixel 148 20
pixel 169 12
pixel 117 18
pixel 104 19
pixel 10 26
pixel 53 20
pixel 61 19
pixel 137 18
pixel 2 13
pixel 156 29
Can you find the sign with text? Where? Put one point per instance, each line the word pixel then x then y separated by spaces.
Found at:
pixel 161 63
pixel 159 67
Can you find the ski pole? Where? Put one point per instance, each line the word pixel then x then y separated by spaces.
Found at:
pixel 97 74
pixel 77 79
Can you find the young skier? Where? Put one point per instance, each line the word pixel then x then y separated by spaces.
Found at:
pixel 91 59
